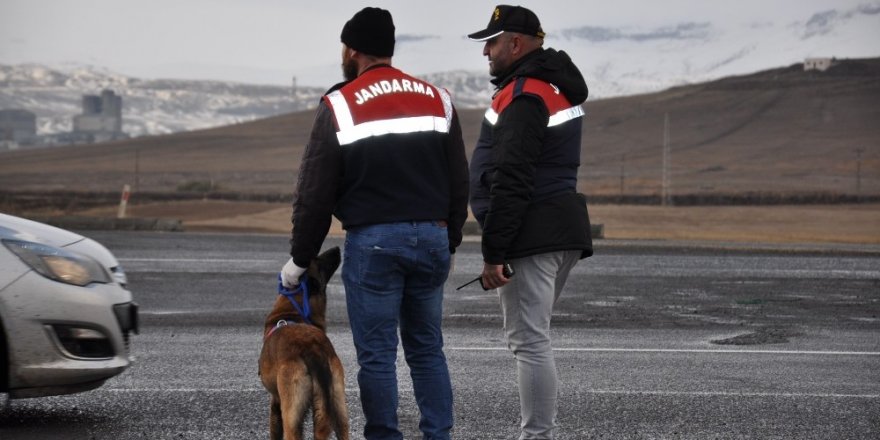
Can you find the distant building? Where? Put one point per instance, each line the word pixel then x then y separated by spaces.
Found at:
pixel 17 127
pixel 820 64
pixel 101 118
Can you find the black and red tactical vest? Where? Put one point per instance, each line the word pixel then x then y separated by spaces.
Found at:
pixel 556 168
pixel 391 128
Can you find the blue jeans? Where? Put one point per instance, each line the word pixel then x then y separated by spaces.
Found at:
pixel 393 275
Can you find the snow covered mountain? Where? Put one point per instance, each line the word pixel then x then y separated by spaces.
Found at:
pixel 616 61
pixel 152 107
pixel 149 106
pixel 630 60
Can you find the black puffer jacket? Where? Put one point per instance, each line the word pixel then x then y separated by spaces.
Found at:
pixel 523 173
pixel 414 176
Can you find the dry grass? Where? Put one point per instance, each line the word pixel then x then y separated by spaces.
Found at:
pixel 773 224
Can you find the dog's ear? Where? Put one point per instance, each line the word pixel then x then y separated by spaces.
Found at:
pixel 328 262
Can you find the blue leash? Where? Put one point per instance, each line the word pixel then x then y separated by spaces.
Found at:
pixel 305 311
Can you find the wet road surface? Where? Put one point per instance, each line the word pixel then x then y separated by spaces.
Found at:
pixel 653 340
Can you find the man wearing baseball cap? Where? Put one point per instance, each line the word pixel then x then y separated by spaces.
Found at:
pixel 523 183
pixel 386 157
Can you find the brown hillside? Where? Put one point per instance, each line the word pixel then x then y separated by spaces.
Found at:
pixel 782 130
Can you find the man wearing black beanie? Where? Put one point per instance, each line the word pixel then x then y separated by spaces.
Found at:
pixel 386 157
pixel 370 31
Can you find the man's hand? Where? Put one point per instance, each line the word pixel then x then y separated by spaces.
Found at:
pixel 493 276
pixel 291 273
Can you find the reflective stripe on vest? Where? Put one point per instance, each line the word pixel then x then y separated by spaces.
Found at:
pixel 561 111
pixel 348 131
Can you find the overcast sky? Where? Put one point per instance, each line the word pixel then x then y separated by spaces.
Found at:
pixel 268 41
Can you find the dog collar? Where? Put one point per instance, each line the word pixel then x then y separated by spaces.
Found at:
pixel 305 311
pixel 281 323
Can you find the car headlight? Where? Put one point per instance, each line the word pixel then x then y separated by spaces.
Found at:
pixel 59 264
pixel 119 275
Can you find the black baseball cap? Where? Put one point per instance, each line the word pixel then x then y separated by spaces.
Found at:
pixel 511 19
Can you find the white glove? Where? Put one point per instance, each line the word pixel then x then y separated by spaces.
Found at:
pixel 291 273
pixel 452 263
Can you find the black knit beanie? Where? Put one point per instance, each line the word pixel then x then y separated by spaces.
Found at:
pixel 370 31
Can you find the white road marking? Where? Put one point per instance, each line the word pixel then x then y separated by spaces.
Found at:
pixel 732 394
pixel 184 390
pixel 684 350
pixel 198 260
pixel 722 268
pixel 593 391
pixel 194 312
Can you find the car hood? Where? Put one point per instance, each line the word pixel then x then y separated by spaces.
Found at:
pixel 18 228
pixel 28 230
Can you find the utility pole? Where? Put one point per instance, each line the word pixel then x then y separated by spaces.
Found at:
pixel 137 168
pixel 859 171
pixel 666 196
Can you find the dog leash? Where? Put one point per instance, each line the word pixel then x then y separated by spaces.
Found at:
pixel 305 311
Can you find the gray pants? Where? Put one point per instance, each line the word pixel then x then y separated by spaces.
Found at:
pixel 527 304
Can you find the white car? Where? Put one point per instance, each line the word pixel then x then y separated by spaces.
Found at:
pixel 65 312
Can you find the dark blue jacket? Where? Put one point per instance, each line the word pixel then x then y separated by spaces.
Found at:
pixel 523 174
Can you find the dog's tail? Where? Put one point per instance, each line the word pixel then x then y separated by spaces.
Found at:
pixel 321 372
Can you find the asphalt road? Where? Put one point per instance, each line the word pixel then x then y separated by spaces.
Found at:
pixel 653 341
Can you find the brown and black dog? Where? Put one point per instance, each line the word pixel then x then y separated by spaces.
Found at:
pixel 298 365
